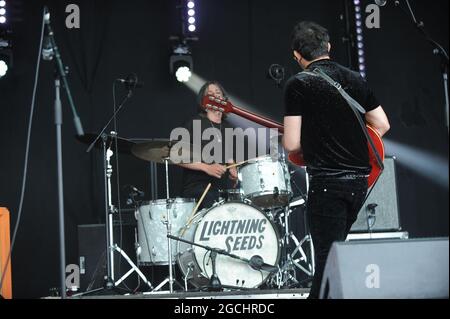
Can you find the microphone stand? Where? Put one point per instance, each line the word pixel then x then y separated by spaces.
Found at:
pixel 214 283
pixel 61 76
pixel 438 50
pixel 110 283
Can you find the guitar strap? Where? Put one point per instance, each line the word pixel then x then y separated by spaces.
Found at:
pixel 357 109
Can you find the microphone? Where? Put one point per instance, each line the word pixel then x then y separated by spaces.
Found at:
pixel 276 72
pixel 257 263
pixel 131 82
pixel 47 47
pixel 380 3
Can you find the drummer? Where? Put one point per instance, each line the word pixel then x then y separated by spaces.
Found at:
pixel 197 176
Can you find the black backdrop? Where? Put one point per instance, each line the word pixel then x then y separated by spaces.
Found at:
pixel 238 42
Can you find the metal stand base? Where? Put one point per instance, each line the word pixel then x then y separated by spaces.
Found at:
pixel 165 282
pixel 134 268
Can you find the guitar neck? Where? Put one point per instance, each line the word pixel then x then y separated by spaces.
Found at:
pixel 264 121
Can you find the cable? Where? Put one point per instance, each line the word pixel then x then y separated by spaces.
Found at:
pixel 95 273
pixel 27 149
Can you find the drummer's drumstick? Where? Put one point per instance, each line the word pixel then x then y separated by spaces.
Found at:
pixel 201 200
pixel 242 163
pixel 196 208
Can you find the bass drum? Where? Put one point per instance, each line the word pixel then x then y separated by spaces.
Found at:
pixel 236 227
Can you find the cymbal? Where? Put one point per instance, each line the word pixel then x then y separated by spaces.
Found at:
pixel 158 150
pixel 123 145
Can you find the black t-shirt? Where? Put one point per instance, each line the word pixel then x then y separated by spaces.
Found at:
pixel 193 179
pixel 331 137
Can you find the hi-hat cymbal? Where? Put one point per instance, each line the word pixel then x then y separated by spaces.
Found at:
pixel 158 150
pixel 123 145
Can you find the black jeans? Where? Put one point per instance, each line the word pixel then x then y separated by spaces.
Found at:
pixel 332 207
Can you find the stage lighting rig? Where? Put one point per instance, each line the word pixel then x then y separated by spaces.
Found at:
pixel 360 38
pixel 181 62
pixel 6 56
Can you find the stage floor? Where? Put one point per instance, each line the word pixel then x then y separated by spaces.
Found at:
pixel 249 294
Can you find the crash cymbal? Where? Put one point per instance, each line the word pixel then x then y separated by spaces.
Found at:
pixel 123 145
pixel 157 150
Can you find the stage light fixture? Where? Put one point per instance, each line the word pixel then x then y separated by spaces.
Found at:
pixel 3 68
pixel 191 25
pixel 5 61
pixel 2 11
pixel 181 63
pixel 360 38
pixel 5 52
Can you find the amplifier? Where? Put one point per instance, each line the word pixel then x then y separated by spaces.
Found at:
pixel 380 212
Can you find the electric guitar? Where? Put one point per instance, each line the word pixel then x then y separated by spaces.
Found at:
pixel 224 106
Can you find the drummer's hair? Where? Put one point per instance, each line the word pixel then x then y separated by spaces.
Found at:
pixel 202 91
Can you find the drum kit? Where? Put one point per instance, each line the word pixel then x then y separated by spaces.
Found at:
pixel 243 241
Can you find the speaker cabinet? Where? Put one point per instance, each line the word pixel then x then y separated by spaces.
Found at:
pixel 387 269
pixel 380 212
pixel 92 254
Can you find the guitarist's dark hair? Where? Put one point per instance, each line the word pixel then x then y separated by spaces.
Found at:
pixel 310 40
pixel 202 92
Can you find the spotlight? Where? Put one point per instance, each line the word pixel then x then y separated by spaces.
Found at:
pixel 190 12
pixel 181 63
pixel 359 37
pixel 2 11
pixel 5 52
pixel 3 68
pixel 5 62
pixel 183 74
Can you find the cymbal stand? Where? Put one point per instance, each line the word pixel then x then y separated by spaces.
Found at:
pixel 110 210
pixel 168 222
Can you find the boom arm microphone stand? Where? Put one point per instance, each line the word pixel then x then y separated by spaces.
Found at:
pixel 256 262
pixel 110 210
pixel 60 76
pixel 437 50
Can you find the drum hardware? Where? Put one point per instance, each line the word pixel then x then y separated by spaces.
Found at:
pixel 255 262
pixel 168 222
pixel 302 262
pixel 110 210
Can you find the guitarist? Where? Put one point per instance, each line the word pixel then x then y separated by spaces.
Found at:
pixel 320 124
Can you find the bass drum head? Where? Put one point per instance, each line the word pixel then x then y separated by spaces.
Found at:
pixel 237 228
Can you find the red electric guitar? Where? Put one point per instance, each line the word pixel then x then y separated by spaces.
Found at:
pixel 213 103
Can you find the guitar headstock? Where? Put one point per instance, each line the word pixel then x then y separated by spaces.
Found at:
pixel 214 103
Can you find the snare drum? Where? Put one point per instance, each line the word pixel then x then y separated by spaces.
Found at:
pixel 236 227
pixel 233 194
pixel 152 247
pixel 266 182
